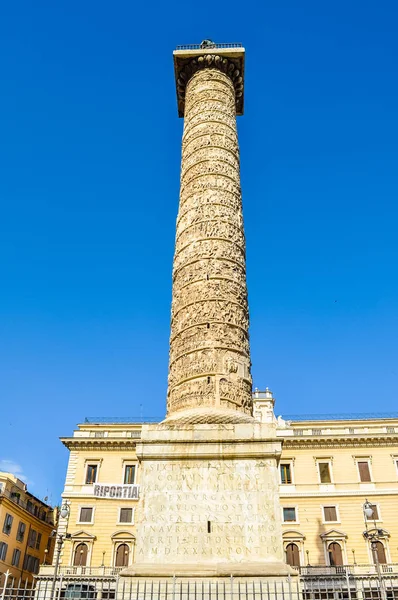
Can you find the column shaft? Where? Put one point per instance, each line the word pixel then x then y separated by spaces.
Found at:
pixel 209 345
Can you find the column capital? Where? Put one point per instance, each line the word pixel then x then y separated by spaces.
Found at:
pixel 229 60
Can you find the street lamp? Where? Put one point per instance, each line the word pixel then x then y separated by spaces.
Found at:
pixel 373 537
pixel 64 514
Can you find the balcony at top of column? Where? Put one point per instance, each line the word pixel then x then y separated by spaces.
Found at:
pixel 234 53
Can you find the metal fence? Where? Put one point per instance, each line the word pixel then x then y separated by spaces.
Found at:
pixel 337 587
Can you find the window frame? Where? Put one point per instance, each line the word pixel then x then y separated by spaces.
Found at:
pixel 91 463
pixel 32 538
pixel 80 508
pixel 19 537
pixel 377 505
pixel 117 546
pixel 38 540
pixel 3 551
pixel 126 465
pixel 295 508
pixel 14 554
pixel 7 528
pixel 336 507
pixel 364 459
pixel 132 522
pixel 329 462
pixel 290 464
pixel 342 552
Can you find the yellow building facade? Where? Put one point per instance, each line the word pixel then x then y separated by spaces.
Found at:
pixel 328 468
pixel 26 525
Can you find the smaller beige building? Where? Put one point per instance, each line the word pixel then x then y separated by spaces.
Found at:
pixel 26 524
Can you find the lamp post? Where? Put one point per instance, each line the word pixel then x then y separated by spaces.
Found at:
pixel 373 537
pixel 64 513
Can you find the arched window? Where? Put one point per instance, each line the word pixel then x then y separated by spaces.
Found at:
pixel 335 555
pixel 381 553
pixel 122 556
pixel 293 555
pixel 80 558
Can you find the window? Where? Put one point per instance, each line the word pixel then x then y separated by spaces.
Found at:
pixel 21 531
pixel 31 564
pixel 330 514
pixel 3 550
pixel 91 474
pixel 375 516
pixel 80 556
pixel 335 555
pixel 126 515
pixel 381 553
pixel 286 473
pixel 32 538
pixel 16 556
pixel 293 555
pixel 324 472
pixel 364 471
pixel 122 556
pixel 86 515
pixel 38 541
pixel 289 514
pixel 8 524
pixel 129 474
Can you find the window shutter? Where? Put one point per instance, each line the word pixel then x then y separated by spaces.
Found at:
pixel 126 515
pixel 324 472
pixel 364 471
pixel 86 515
pixel 330 513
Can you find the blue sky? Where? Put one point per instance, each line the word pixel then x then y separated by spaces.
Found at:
pixel 89 155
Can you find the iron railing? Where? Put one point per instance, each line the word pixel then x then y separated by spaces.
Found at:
pixel 116 420
pixel 342 416
pixel 342 587
pixel 204 47
pixel 74 571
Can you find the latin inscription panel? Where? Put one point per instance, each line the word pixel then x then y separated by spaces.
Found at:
pixel 215 510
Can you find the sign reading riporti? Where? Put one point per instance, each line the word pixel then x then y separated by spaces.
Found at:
pixel 107 490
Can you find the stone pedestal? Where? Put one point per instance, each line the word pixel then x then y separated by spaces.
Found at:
pixel 209 502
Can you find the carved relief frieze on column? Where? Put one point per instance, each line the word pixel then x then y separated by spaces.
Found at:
pixel 209 368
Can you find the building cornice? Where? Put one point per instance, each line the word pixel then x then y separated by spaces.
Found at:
pixel 110 443
pixel 340 441
pixel 319 494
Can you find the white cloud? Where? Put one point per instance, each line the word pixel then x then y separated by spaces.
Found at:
pixel 10 466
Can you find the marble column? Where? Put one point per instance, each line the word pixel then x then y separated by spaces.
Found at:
pixel 209 368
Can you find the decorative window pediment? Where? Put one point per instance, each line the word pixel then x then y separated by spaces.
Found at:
pixel 83 535
pixel 379 531
pixel 293 534
pixel 334 534
pixel 122 535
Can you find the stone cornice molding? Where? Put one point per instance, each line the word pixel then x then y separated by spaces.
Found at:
pixel 231 67
pixel 335 493
pixel 338 442
pixel 99 443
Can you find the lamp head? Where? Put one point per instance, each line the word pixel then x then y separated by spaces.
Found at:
pixel 64 512
pixel 368 510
